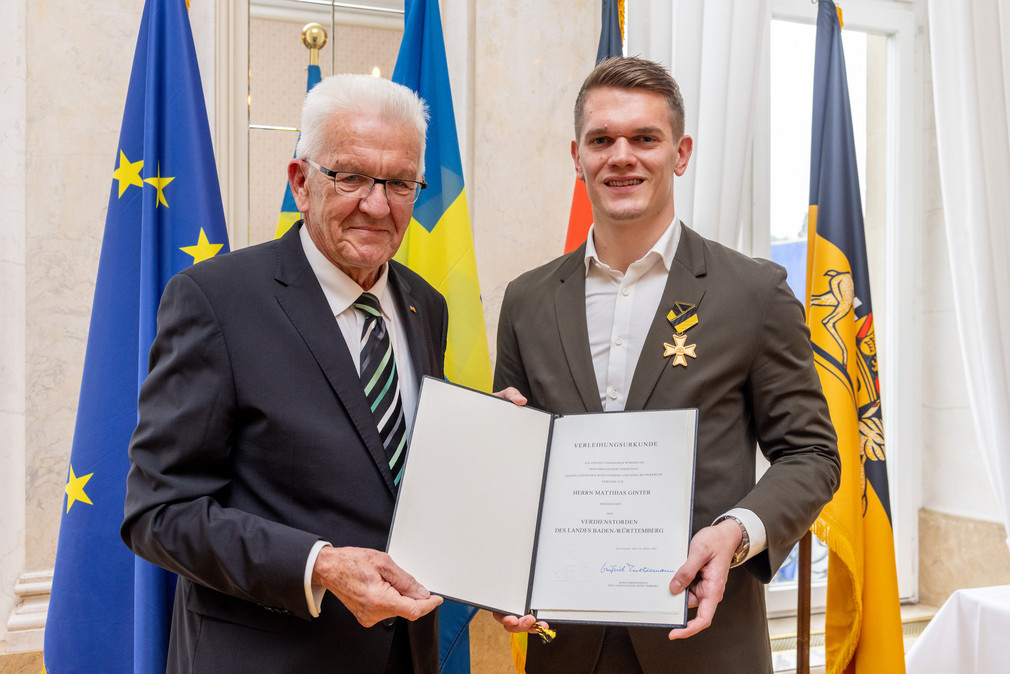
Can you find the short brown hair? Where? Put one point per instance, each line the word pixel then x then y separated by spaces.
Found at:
pixel 633 72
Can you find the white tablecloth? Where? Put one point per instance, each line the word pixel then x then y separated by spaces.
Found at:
pixel 969 635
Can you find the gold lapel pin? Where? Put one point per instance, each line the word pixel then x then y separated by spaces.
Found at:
pixel 682 317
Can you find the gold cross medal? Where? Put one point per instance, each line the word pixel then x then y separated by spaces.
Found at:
pixel 682 317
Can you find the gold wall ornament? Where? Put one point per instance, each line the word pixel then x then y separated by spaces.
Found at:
pixel 314 38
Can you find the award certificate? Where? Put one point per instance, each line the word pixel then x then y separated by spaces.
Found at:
pixel 578 518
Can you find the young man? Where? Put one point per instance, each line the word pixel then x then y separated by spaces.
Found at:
pixel 647 314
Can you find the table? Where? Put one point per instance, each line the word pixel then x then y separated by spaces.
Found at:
pixel 969 635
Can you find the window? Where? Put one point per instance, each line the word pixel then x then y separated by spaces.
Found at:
pixel 879 52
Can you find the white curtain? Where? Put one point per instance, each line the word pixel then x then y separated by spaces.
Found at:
pixel 714 50
pixel 970 48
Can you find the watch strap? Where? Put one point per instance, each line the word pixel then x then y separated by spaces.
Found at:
pixel 742 550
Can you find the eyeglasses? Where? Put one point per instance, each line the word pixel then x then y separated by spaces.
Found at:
pixel 358 186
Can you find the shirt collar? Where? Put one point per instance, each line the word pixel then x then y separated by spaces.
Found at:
pixel 340 290
pixel 665 247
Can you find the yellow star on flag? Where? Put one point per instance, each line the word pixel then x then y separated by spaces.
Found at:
pixel 160 184
pixel 127 173
pixel 75 489
pixel 203 250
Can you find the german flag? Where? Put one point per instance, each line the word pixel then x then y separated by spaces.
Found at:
pixel 611 44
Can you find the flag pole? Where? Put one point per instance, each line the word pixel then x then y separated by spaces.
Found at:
pixel 314 39
pixel 803 580
pixel 803 607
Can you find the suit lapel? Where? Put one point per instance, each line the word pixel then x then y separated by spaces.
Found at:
pixel 570 310
pixel 682 285
pixel 411 309
pixel 305 305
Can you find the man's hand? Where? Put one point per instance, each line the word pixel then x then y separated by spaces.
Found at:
pixel 519 624
pixel 704 573
pixel 371 585
pixel 512 395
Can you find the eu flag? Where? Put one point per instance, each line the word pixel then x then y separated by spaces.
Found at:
pixel 863 617
pixel 110 611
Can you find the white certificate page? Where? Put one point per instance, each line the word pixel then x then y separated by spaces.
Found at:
pixel 616 517
pixel 466 512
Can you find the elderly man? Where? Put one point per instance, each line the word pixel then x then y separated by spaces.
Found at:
pixel 273 421
pixel 647 314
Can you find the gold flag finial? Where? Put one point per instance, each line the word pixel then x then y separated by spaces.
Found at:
pixel 314 39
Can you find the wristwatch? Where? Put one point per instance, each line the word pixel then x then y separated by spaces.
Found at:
pixel 741 550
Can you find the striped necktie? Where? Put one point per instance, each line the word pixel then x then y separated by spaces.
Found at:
pixel 382 387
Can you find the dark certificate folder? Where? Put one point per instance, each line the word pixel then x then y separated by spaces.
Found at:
pixel 578 518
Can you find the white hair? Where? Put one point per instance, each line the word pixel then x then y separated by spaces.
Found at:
pixel 349 94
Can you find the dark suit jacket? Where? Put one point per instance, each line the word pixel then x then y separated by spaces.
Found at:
pixel 753 380
pixel 255 441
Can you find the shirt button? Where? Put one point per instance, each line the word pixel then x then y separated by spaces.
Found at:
pixel 618 341
pixel 625 292
pixel 613 394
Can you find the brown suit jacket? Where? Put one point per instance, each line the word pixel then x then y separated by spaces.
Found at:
pixel 753 382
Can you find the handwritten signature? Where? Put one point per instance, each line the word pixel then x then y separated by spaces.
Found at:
pixel 629 567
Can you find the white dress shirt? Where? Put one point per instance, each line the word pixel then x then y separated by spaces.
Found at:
pixel 620 308
pixel 341 293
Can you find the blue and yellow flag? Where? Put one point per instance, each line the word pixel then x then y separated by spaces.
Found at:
pixel 863 620
pixel 289 211
pixel 110 611
pixel 438 245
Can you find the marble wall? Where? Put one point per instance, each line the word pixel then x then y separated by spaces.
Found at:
pixel 528 64
pixel 13 82
pixel 959 552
